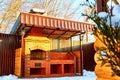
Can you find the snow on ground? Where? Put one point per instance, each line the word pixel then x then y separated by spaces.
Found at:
pixel 88 75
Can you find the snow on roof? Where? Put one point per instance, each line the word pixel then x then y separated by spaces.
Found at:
pixel 36 10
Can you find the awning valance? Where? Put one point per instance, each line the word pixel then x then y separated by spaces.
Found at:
pixel 51 26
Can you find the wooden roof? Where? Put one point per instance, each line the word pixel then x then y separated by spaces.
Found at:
pixel 51 27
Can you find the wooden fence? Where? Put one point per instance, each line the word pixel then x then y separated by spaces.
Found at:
pixel 8 44
pixel 88 56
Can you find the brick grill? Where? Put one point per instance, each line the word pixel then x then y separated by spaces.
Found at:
pixel 42 66
pixel 40 62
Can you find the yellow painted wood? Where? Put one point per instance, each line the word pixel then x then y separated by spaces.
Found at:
pixel 102 72
pixel 18 62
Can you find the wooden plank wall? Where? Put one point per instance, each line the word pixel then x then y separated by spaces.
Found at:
pixel 8 44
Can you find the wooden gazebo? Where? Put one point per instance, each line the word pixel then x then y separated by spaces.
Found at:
pixel 34 58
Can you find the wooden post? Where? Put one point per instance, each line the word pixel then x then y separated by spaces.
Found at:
pixel 23 53
pixel 81 51
pixel 81 62
pixel 101 5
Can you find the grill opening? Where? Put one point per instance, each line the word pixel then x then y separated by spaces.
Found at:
pixel 68 68
pixel 56 69
pixel 37 71
pixel 38 54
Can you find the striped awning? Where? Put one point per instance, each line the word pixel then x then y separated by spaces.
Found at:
pixel 52 27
